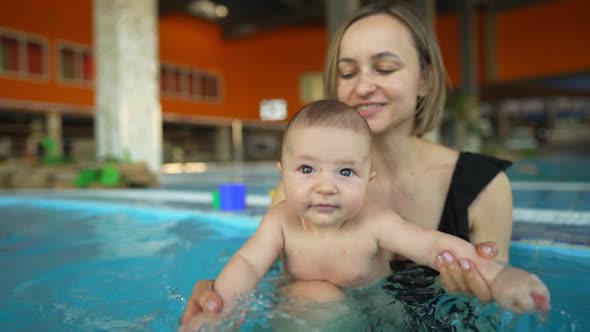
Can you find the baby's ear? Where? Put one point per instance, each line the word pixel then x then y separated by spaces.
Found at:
pixel 372 175
pixel 279 166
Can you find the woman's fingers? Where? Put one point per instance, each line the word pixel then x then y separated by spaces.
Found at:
pixel 203 299
pixel 447 273
pixel 445 279
pixel 192 309
pixel 487 250
pixel 455 272
pixel 209 300
pixel 475 281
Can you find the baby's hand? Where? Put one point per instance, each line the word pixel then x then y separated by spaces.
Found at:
pixel 520 291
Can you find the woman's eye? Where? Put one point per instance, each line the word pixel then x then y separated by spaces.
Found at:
pixel 306 169
pixel 346 76
pixel 346 72
pixel 346 172
pixel 385 71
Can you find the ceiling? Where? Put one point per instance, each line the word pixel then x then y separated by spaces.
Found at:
pixel 246 17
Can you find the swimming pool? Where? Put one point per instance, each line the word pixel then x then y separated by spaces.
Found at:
pixel 77 265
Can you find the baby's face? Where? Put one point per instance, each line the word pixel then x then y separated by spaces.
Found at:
pixel 325 172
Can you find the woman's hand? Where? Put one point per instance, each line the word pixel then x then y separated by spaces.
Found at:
pixel 463 277
pixel 203 300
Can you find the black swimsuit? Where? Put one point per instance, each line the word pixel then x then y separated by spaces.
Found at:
pixel 412 284
pixel 472 174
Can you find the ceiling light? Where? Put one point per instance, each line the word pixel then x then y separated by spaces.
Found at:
pixel 221 11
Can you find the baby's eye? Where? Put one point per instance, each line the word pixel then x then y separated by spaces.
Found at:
pixel 305 169
pixel 346 172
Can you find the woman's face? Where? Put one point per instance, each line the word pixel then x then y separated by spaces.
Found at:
pixel 379 73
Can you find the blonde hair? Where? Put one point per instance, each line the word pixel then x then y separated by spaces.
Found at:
pixel 430 107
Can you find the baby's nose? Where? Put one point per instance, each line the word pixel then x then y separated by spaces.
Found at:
pixel 325 185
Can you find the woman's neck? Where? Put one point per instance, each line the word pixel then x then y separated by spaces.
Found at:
pixel 395 151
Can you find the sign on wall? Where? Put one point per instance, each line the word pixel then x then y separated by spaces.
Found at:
pixel 273 109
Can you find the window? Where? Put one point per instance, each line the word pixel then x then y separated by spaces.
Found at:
pixel 209 86
pixel 179 82
pixel 22 55
pixel 76 64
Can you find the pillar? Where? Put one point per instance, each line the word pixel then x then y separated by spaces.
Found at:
pixel 467 41
pixel 53 127
pixel 237 140
pixel 128 116
pixel 223 143
pixel 337 12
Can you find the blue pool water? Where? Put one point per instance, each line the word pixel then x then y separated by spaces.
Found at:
pixel 556 168
pixel 91 266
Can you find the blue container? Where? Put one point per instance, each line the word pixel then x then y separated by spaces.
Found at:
pixel 232 196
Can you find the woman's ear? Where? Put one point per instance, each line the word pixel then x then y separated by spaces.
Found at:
pixel 279 166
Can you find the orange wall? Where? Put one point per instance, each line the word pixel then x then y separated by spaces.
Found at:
pixel 544 39
pixel 447 32
pixel 266 65
pixel 269 65
pixel 195 44
pixel 66 20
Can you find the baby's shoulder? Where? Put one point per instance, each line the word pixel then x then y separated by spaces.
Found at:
pixel 280 213
pixel 375 213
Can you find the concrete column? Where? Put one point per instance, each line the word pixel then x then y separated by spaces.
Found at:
pixel 54 130
pixel 503 124
pixel 468 64
pixel 128 115
pixel 237 135
pixel 490 41
pixel 338 11
pixel 223 143
pixel 467 42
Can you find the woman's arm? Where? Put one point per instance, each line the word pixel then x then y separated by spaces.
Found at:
pixel 490 216
pixel 490 219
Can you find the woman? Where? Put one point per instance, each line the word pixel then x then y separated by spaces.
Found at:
pixel 387 65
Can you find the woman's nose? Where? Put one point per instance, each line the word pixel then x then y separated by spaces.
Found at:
pixel 365 86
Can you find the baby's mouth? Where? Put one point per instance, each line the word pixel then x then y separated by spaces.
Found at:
pixel 324 207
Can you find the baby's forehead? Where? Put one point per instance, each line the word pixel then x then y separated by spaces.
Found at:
pixel 346 134
pixel 300 140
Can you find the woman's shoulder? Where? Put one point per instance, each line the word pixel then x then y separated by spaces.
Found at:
pixel 439 157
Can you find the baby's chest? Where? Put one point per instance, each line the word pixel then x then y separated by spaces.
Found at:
pixel 343 265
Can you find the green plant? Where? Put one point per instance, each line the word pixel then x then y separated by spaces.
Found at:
pixel 463 109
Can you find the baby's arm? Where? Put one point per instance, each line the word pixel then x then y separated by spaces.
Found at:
pixel 249 264
pixel 512 288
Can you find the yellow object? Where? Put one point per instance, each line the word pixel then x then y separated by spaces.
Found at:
pixel 271 193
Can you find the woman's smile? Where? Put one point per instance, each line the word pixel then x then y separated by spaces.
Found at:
pixel 367 110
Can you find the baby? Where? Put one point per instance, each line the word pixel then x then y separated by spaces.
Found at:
pixel 328 231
